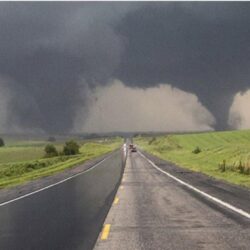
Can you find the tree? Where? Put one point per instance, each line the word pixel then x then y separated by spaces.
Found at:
pixel 50 151
pixel 197 150
pixel 1 142
pixel 71 148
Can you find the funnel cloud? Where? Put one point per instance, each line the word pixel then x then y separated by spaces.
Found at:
pixel 53 55
pixel 239 117
pixel 163 108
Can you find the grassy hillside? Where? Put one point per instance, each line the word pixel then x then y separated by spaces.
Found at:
pixel 24 161
pixel 22 151
pixel 224 155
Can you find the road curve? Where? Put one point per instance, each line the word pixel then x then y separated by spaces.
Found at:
pixel 153 211
pixel 65 216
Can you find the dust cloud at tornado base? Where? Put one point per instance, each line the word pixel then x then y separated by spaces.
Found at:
pixel 163 108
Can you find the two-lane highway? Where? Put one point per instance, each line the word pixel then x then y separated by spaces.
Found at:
pixel 154 211
pixel 151 210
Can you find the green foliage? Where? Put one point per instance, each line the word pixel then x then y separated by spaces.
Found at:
pixel 50 151
pixel 197 150
pixel 1 142
pixel 233 147
pixel 222 166
pixel 22 151
pixel 14 173
pixel 71 148
pixel 242 168
pixel 18 169
pixel 151 141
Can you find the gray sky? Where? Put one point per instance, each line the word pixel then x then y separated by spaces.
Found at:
pixel 53 55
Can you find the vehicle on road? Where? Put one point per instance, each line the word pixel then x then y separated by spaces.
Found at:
pixel 134 149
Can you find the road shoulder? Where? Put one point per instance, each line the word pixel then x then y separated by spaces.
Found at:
pixel 236 195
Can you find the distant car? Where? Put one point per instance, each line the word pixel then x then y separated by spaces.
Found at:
pixel 134 149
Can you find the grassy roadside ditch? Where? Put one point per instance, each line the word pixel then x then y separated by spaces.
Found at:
pixel 18 172
pixel 223 155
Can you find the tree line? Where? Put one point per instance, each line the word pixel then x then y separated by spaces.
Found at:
pixel 70 148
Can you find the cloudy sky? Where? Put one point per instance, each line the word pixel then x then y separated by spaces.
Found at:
pixel 96 66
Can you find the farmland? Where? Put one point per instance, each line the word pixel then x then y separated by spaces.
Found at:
pixel 21 161
pixel 223 155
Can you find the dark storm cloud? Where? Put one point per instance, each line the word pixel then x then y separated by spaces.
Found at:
pixel 50 51
pixel 203 48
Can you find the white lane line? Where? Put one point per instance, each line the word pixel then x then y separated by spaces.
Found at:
pixel 223 203
pixel 54 184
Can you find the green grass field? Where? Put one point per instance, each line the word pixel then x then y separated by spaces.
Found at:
pixel 230 147
pixel 21 161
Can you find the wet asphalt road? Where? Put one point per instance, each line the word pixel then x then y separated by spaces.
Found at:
pixel 153 212
pixel 150 211
pixel 66 216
